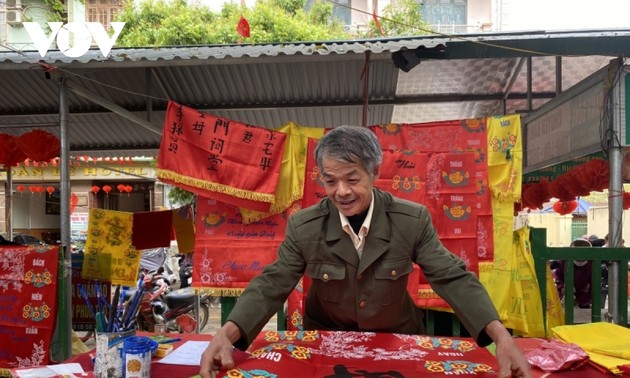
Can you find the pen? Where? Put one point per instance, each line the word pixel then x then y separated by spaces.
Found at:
pixel 97 288
pixel 87 300
pixel 113 310
pixel 101 323
pixel 169 341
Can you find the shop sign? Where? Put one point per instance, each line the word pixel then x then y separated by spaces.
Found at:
pixel 567 127
pixel 78 226
pixel 82 318
pixel 553 171
pixel 23 173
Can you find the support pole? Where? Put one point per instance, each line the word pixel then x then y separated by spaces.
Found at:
pixel 615 188
pixel 63 349
pixel 8 207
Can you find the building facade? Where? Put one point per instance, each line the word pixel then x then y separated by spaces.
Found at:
pixel 123 185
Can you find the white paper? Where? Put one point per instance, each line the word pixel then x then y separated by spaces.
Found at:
pixel 50 371
pixel 188 354
pixel 66 368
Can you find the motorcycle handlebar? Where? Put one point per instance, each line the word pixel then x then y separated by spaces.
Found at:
pixel 156 294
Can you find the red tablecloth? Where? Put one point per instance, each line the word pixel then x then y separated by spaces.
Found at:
pixel 377 344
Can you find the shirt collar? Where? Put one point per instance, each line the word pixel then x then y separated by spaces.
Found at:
pixel 366 222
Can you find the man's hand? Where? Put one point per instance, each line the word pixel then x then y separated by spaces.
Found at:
pixel 218 354
pixel 512 362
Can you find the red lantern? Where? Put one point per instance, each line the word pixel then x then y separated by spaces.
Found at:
pixel 128 189
pixel 40 189
pixel 565 207
pixel 39 145
pixel 107 189
pixel 10 153
pixel 50 190
pixel 32 188
pixel 120 187
pixel 20 188
pixel 95 189
pixel 535 195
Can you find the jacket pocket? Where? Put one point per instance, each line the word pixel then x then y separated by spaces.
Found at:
pixel 390 278
pixel 327 280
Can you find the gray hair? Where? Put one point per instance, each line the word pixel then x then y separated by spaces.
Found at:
pixel 350 144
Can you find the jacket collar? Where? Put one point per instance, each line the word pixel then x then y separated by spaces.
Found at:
pixel 378 237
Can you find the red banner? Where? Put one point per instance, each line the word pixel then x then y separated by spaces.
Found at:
pixel 228 254
pixel 28 287
pixel 313 185
pixel 404 174
pixel 211 155
pixel 361 354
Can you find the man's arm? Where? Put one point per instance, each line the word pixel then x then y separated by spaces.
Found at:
pixel 512 362
pixel 218 354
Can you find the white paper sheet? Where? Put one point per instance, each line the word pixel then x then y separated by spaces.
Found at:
pixel 188 354
pixel 67 370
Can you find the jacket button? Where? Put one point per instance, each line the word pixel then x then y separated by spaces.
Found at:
pixel 360 276
pixel 325 276
pixel 362 304
pixel 394 273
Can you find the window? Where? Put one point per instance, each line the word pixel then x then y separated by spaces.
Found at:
pixel 444 12
pixel 103 11
pixel 341 10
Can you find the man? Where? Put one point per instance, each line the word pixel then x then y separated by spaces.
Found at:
pixel 358 246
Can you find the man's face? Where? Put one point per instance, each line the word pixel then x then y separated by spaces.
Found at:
pixel 348 185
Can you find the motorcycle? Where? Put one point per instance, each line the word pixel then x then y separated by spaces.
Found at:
pixel 173 309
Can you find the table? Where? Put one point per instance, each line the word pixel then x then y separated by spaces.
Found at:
pixel 350 354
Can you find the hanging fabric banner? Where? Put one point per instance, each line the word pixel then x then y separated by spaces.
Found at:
pixel 505 157
pixel 28 293
pixel 152 229
pixel 211 155
pixel 109 254
pixel 291 171
pixel 228 253
pixel 403 173
pixel 184 228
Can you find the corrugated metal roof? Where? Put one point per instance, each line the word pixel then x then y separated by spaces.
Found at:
pixel 314 84
pixel 219 52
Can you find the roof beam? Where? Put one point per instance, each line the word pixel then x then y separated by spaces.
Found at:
pixel 400 100
pixel 114 108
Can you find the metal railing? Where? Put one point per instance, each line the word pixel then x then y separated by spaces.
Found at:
pixel 544 254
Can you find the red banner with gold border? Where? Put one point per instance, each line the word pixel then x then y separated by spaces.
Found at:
pixel 210 154
pixel 28 287
pixel 228 253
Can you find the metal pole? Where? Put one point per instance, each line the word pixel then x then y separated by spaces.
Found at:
pixel 64 304
pixel 8 210
pixel 615 189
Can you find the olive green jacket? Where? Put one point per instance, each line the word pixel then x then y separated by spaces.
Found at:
pixel 367 294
